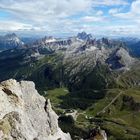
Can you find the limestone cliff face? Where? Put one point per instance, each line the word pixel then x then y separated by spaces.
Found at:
pixel 25 115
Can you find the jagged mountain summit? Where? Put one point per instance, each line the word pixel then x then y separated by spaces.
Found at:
pixel 10 41
pixel 84 36
pixel 25 115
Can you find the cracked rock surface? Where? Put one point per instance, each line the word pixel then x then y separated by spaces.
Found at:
pixel 25 115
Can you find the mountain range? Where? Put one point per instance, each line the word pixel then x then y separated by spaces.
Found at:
pixel 95 81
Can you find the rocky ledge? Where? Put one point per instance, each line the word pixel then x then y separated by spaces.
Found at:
pixel 25 115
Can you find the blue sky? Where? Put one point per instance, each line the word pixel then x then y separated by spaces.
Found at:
pixel 67 17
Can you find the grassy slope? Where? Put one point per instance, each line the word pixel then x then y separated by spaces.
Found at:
pixel 45 72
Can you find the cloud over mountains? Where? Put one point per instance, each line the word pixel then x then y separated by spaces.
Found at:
pixel 68 16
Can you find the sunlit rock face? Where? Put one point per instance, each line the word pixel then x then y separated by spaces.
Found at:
pixel 25 115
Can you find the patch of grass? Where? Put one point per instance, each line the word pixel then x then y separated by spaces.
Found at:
pixel 55 94
pixel 81 118
pixel 118 132
pixel 135 93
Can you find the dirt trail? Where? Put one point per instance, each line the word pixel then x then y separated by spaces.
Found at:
pixel 113 100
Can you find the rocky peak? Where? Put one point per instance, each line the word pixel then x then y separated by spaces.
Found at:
pixel 13 35
pixel 120 58
pixel 13 38
pixel 105 41
pixel 10 41
pixel 25 115
pixel 84 36
pixel 48 39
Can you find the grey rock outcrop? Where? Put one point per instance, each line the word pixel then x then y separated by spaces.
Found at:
pixel 25 115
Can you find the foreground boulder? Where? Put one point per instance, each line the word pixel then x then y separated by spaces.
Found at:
pixel 25 115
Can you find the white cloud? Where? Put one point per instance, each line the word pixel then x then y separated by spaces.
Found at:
pixel 42 10
pixel 117 30
pixel 133 15
pixel 12 26
pixel 135 7
pixel 114 11
pixel 109 2
pixel 53 16
pixel 49 15
pixel 92 19
pixel 124 30
pixel 46 10
pixel 99 13
pixel 45 15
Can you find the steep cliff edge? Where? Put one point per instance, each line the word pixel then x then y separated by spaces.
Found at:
pixel 25 115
